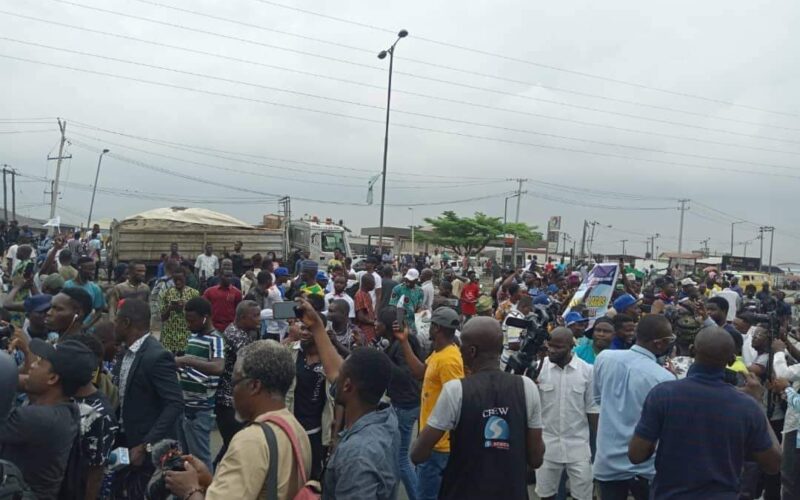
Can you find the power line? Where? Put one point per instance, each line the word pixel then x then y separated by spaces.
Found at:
pixel 431 64
pixel 24 131
pixel 413 75
pixel 166 171
pixel 546 196
pixel 423 115
pixel 409 126
pixel 450 185
pixel 468 103
pixel 532 63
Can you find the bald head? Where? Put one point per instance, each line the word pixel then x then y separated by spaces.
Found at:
pixel 481 341
pixel 562 333
pixel 714 347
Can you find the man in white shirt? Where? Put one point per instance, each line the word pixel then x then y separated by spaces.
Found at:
pixel 338 293
pixel 207 264
pixel 436 260
pixel 426 276
pixel 568 410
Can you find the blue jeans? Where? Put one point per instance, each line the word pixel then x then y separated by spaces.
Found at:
pixel 429 475
pixel 405 420
pixel 195 434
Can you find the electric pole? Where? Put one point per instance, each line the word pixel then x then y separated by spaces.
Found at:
pixel 761 252
pixel 516 221
pixel 583 240
pixel 705 246
pixel 623 247
pixel 62 126
pixel 564 249
pixel 13 194
pixel 771 231
pixel 5 195
pixel 680 231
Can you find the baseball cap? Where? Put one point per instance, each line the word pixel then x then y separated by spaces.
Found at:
pixel 37 303
pixel 446 317
pixel 552 289
pixel 688 281
pixel 72 360
pixel 575 317
pixel 321 276
pixel 412 275
pixel 624 301
pixel 541 300
pixel 484 304
pixel 281 271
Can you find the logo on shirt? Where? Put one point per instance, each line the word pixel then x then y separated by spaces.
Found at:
pixel 496 433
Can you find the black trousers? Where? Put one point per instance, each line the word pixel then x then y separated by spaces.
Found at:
pixel 228 426
pixel 790 468
pixel 638 487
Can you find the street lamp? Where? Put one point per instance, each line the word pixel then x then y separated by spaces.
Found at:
pixel 413 246
pixel 94 189
pixel 733 224
pixel 382 55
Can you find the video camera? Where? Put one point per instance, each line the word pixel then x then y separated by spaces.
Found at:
pixel 532 338
pixel 166 456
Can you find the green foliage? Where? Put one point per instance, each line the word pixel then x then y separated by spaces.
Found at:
pixel 470 235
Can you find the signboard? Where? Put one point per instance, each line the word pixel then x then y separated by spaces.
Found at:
pixel 552 246
pixel 733 263
pixel 596 290
pixel 554 224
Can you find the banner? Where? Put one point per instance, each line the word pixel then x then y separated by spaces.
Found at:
pixel 554 224
pixel 596 290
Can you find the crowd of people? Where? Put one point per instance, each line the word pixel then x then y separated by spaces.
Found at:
pixel 685 388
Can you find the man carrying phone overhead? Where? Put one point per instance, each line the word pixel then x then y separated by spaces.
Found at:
pixel 408 296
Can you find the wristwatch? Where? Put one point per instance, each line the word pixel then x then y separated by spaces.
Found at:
pixel 148 448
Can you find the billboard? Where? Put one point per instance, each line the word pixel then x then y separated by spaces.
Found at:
pixel 733 263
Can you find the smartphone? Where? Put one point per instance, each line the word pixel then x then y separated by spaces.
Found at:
pixel 401 313
pixel 284 310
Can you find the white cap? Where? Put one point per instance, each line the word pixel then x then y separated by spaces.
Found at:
pixel 412 275
pixel 688 281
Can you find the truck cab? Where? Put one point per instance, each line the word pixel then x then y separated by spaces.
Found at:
pixel 319 239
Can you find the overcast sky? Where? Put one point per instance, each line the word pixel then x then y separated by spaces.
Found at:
pixel 632 147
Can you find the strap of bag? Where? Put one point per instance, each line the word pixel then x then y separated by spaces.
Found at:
pixel 272 473
pixel 280 422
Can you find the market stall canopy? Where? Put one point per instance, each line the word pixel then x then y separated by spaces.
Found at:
pixel 199 216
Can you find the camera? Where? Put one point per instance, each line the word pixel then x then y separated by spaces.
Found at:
pixel 523 361
pixel 6 331
pixel 166 456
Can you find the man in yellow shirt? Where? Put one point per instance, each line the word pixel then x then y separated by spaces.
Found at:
pixel 443 365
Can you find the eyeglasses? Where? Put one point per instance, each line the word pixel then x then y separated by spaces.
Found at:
pixel 236 382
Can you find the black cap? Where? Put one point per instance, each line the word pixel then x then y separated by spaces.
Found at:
pixel 72 360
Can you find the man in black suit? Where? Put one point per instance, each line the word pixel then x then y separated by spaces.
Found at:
pixel 151 400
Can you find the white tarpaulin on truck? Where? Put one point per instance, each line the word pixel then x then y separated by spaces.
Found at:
pixel 199 216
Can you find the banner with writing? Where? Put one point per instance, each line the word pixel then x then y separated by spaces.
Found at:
pixel 595 291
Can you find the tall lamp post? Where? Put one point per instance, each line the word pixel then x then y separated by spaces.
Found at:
pixel 94 189
pixel 382 55
pixel 413 246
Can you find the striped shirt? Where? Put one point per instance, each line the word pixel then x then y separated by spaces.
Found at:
pixel 199 389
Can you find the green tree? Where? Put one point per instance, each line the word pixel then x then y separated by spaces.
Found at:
pixel 470 235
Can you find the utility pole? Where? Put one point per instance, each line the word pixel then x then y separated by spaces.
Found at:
pixel 705 246
pixel 771 231
pixel 761 252
pixel 623 247
pixel 683 209
pixel 564 245
pixel 5 195
pixel 583 240
pixel 594 224
pixel 13 194
pixel 62 126
pixel 733 224
pixel 516 221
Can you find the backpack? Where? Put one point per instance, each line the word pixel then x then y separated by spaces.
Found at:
pixel 12 484
pixel 311 490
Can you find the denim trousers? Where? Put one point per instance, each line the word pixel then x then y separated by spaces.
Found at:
pixel 195 434
pixel 405 422
pixel 429 475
